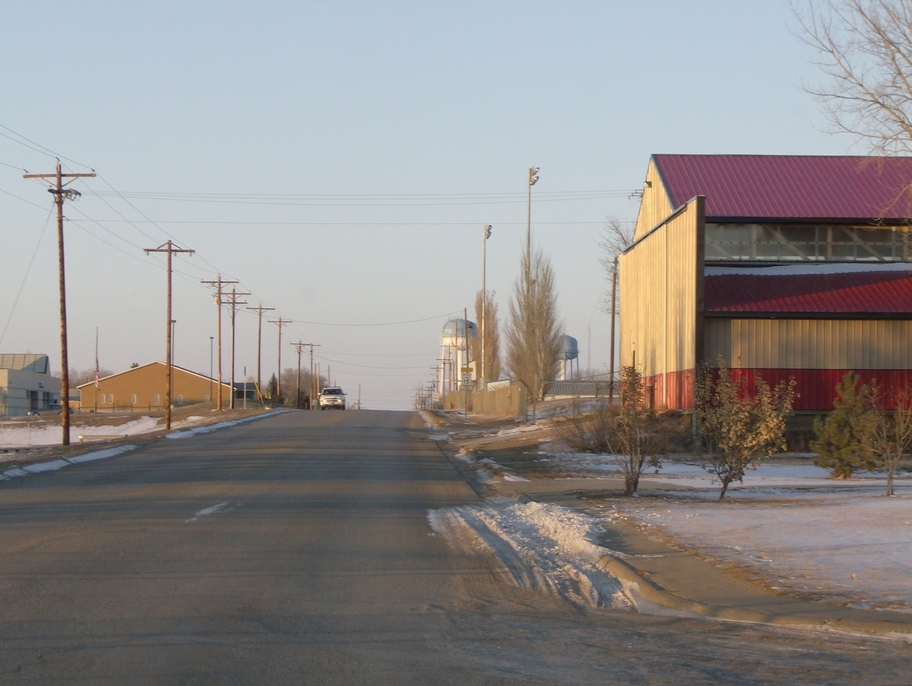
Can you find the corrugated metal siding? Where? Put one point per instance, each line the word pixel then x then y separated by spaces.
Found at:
pixel 815 389
pixel 809 343
pixel 680 395
pixel 885 292
pixel 655 204
pixel 791 187
pixel 658 292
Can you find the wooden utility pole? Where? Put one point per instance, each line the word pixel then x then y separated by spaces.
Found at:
pixel 280 323
pixel 60 192
pixel 298 345
pixel 233 303
pixel 313 392
pixel 170 249
pixel 218 283
pixel 259 309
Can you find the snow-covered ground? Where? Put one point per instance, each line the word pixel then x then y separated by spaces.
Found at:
pixel 790 524
pixel 542 546
pixel 22 433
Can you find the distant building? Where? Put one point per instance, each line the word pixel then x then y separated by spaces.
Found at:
pixel 780 266
pixel 455 349
pixel 26 385
pixel 143 388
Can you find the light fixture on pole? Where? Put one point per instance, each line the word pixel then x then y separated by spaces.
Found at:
pixel 533 179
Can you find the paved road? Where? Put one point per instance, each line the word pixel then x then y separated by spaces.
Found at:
pixel 296 550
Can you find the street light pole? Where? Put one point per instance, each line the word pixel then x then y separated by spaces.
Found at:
pixel 533 179
pixel 484 303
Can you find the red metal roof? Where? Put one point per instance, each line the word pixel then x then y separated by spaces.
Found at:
pixel 789 187
pixel 862 293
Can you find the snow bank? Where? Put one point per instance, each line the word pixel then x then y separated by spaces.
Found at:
pixel 542 546
pixel 21 434
pixel 53 465
pixel 185 433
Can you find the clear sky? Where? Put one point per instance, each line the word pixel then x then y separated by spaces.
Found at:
pixel 340 159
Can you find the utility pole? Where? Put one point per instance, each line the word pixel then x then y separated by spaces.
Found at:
pixel 61 193
pixel 484 303
pixel 436 390
pixel 280 323
pixel 170 249
pixel 298 345
pixel 218 283
pixel 234 304
pixel 259 309
pixel 313 392
pixel 443 376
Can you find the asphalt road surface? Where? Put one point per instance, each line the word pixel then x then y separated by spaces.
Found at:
pixel 296 550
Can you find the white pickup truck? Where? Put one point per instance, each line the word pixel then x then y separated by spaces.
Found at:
pixel 332 397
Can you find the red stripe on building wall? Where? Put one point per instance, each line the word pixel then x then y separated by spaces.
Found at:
pixel 680 390
pixel 815 389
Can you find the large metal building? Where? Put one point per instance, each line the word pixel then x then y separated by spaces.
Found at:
pixel 780 266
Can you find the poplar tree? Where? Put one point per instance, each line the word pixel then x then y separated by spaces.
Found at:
pixel 533 333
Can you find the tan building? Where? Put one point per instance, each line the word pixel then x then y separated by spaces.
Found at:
pixel 782 266
pixel 143 388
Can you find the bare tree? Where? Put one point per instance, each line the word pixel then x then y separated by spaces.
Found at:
pixel 738 429
pixel 533 333
pixel 79 377
pixel 635 436
pixel 635 441
pixel 890 438
pixel 616 238
pixel 865 52
pixel 491 333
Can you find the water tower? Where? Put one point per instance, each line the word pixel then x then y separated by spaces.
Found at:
pixel 569 351
pixel 455 345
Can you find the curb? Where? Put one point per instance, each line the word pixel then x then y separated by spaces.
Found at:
pixel 655 594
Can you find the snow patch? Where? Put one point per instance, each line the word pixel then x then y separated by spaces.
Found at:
pixel 18 434
pixel 221 425
pixel 53 465
pixel 542 546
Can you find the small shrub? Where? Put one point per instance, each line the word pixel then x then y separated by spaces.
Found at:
pixel 631 433
pixel 840 442
pixel 737 429
pixel 589 432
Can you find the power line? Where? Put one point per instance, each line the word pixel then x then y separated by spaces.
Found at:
pixel 25 278
pixel 409 321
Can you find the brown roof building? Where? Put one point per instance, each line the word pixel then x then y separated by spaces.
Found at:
pixel 143 387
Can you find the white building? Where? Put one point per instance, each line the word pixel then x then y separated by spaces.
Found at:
pixel 26 385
